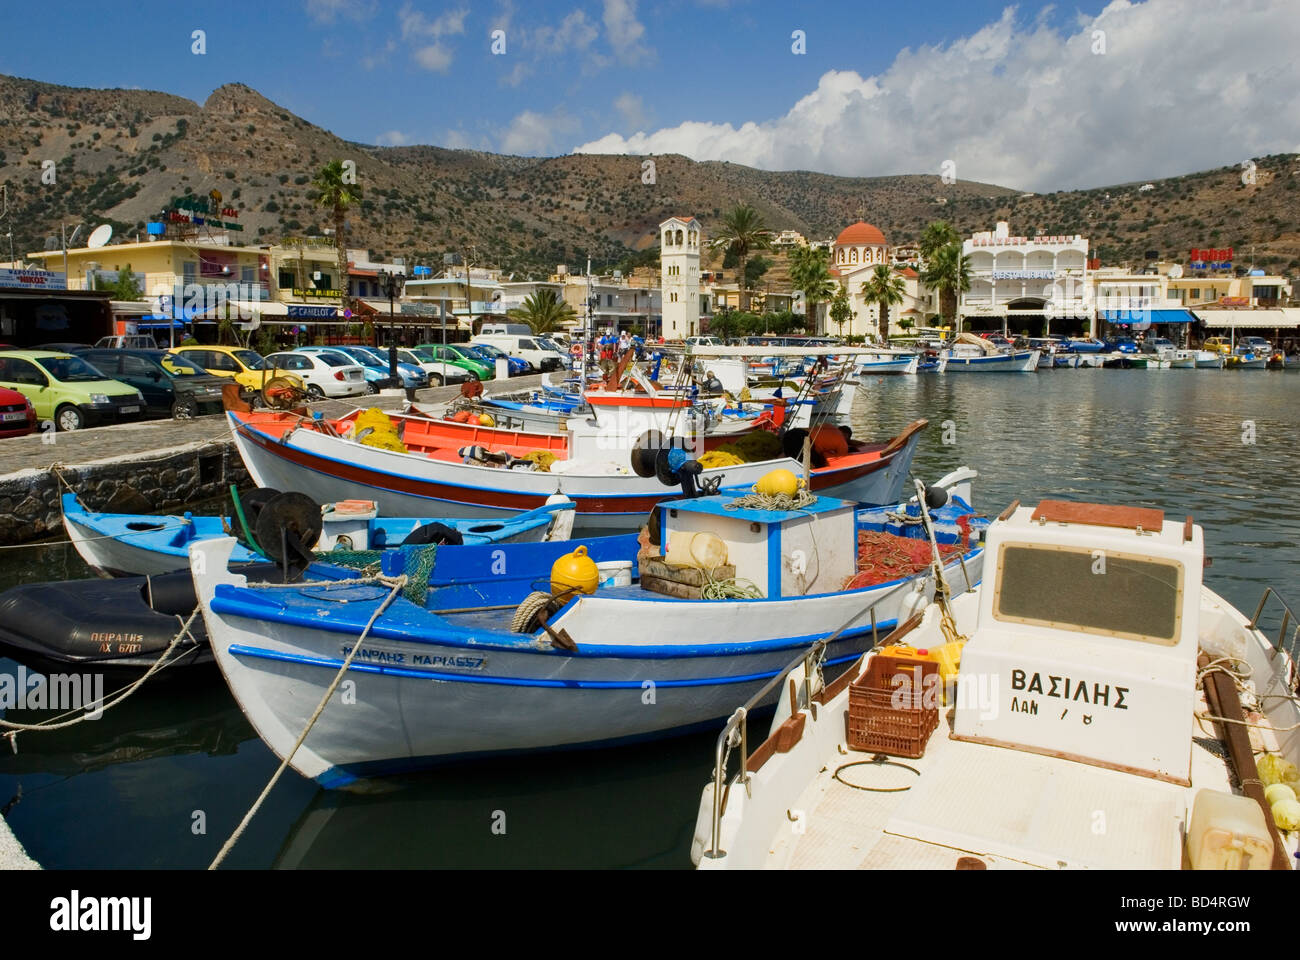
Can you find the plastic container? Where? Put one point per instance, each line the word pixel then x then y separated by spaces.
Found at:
pixel 615 573
pixel 1228 832
pixel 890 717
pixel 948 656
pixel 705 551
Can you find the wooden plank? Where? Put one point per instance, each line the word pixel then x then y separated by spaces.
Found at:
pixel 1006 514
pixel 1100 515
pixel 670 588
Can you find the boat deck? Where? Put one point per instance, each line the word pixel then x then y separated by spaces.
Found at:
pixel 1003 807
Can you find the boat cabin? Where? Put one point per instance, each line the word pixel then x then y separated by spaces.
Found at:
pixel 1086 638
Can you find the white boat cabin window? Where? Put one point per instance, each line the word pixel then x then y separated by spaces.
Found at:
pixel 1090 591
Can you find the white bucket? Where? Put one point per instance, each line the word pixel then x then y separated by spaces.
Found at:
pixel 615 573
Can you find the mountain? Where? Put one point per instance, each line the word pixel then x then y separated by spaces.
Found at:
pixel 121 155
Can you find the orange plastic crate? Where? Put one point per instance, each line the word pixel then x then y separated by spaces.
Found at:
pixel 876 724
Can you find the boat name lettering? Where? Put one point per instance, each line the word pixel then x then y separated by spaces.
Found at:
pixel 117 638
pixel 459 661
pixel 1067 688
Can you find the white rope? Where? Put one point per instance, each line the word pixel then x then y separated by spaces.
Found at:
pixel 397 584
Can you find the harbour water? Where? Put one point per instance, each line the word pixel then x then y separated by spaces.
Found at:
pixel 163 779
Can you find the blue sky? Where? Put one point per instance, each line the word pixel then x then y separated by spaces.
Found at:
pixel 1017 95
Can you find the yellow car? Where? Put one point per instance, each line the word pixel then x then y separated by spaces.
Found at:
pixel 246 366
pixel 1217 345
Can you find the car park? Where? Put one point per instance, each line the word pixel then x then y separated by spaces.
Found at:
pixel 171 385
pixel 490 353
pixel 413 378
pixel 326 373
pixel 527 348
pixel 67 390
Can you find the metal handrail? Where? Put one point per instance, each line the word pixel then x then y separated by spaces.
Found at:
pixel 1287 616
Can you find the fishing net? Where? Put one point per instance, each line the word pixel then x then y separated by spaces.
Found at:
pixel 883 557
pixel 417 564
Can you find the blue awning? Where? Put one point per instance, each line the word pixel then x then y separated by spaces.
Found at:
pixel 1144 316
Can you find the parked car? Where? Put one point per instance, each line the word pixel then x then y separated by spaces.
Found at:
pixel 457 355
pixel 439 371
pixel 134 341
pixel 1220 345
pixel 705 342
pixel 1157 345
pixel 245 366
pixel 68 390
pixel 171 385
pixel 326 373
pixel 375 367
pixel 505 329
pixel 534 354
pixel 490 353
pixel 1122 344
pixel 1256 345
pixel 17 415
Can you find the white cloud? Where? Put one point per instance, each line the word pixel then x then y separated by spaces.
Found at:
pixel 392 138
pixel 1024 105
pixel 574 34
pixel 434 57
pixel 536 134
pixel 326 11
pixel 624 31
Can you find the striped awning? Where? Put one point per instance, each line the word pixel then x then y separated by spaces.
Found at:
pixel 1266 319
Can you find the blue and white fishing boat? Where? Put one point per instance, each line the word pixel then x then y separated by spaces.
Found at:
pixel 886 363
pixel 124 544
pixel 483 664
pixel 971 354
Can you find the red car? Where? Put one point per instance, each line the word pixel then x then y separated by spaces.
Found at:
pixel 17 416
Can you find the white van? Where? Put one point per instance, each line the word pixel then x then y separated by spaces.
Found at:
pixel 527 348
pixel 505 330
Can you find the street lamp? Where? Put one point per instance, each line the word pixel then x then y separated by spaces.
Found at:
pixel 390 285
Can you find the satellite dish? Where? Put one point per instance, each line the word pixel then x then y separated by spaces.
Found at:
pixel 1175 271
pixel 100 236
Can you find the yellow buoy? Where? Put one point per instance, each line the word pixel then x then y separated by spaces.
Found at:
pixel 777 482
pixel 574 570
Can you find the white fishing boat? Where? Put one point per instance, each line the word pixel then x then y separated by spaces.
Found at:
pixel 1092 704
pixel 971 354
pixel 1209 360
pixel 481 664
pixel 886 363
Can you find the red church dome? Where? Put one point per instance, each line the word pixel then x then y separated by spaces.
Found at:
pixel 860 233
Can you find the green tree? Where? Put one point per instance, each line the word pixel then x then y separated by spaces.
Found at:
pixel 543 311
pixel 939 234
pixel 948 272
pixel 125 287
pixel 841 308
pixel 754 271
pixel 884 288
pixel 743 231
pixel 337 192
pixel 810 271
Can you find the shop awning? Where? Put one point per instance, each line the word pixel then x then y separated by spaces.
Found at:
pixel 1145 316
pixel 1267 319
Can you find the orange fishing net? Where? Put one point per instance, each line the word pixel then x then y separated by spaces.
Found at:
pixel 883 557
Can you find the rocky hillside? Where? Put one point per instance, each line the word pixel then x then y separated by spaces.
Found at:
pixel 120 155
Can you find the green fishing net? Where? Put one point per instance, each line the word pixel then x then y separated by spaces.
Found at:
pixel 417 564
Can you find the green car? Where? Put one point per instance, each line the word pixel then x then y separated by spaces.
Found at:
pixel 458 356
pixel 67 390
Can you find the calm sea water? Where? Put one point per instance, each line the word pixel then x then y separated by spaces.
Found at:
pixel 162 779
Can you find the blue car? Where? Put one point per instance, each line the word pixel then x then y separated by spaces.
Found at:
pixel 1122 344
pixel 489 355
pixel 376 359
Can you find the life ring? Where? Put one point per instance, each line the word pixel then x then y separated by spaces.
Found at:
pixel 576 350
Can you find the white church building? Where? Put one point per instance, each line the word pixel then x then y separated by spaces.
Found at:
pixel 679 259
pixel 858 250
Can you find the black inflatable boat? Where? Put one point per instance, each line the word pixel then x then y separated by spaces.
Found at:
pixel 115 626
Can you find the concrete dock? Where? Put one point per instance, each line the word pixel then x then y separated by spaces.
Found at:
pixel 12 854
pixel 145 467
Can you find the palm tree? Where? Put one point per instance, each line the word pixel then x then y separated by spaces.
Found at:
pixel 948 271
pixel 743 231
pixel 884 288
pixel 937 235
pixel 810 271
pixel 336 194
pixel 543 311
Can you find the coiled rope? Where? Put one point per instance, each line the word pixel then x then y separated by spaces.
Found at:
pixel 781 502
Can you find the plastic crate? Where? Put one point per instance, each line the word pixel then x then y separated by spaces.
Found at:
pixel 876 723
